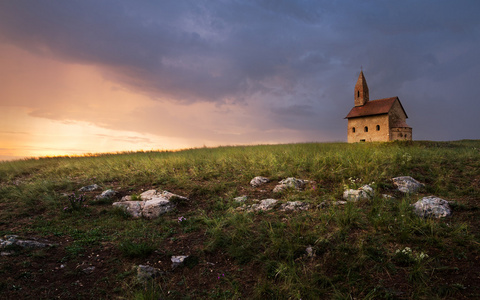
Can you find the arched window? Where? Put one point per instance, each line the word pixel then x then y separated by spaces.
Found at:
pixel 353 129
pixel 365 129
pixel 378 127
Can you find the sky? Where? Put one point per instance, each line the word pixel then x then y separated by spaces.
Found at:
pixel 95 76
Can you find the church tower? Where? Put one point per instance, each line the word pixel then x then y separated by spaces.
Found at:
pixel 361 91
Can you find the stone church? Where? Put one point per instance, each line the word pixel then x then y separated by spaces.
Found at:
pixel 376 120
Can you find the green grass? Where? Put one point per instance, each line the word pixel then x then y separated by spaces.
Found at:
pixel 356 247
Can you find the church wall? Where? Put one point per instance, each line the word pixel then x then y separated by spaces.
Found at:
pixel 401 134
pixel 373 135
pixel 396 113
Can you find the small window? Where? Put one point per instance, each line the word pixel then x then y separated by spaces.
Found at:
pixel 378 127
pixel 353 129
pixel 401 135
pixel 358 94
pixel 365 129
pixel 362 140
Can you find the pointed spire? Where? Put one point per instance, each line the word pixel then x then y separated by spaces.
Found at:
pixel 361 90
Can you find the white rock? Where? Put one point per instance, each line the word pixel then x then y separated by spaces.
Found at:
pixel 148 195
pixel 171 196
pixel 106 194
pixel 240 199
pixel 264 205
pixel 290 182
pixel 407 184
pixel 294 206
pixel 432 207
pixel 133 208
pixel 90 188
pixel 365 192
pixel 156 207
pixel 258 181
pixel 178 260
pixel 145 272
pixel 126 198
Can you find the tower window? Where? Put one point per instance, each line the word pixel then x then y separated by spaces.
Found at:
pixel 358 94
pixel 353 129
pixel 365 129
pixel 378 127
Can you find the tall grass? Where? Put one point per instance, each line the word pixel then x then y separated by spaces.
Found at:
pixel 352 247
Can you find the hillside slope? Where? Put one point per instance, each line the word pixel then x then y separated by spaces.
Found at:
pixel 372 248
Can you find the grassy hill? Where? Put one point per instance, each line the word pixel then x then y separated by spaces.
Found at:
pixel 356 250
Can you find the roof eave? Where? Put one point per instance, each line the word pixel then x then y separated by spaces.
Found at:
pixel 369 115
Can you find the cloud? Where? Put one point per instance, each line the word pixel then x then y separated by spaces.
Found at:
pixel 244 71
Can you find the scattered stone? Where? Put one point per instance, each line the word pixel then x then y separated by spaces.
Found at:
pixel 31 244
pixel 173 197
pixel 432 207
pixel 89 270
pixel 148 195
pixel 106 194
pixel 240 199
pixel 388 197
pixel 294 206
pixel 290 182
pixel 126 198
pixel 156 207
pixel 340 202
pixel 310 252
pixel 407 184
pixel 258 181
pixel 145 273
pixel 365 192
pixel 132 208
pixel 90 188
pixel 178 260
pixel 12 240
pixel 153 204
pixel 264 205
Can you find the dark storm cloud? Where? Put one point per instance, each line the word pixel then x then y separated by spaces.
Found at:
pixel 301 58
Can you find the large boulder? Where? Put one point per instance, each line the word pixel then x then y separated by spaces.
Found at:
pixel 289 183
pixel 407 184
pixel 258 181
pixel 432 207
pixel 365 192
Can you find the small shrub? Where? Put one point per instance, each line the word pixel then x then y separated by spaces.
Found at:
pixel 75 202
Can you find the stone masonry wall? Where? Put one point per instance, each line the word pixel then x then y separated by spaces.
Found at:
pixel 374 133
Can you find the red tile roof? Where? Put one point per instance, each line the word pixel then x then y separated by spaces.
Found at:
pixel 372 108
